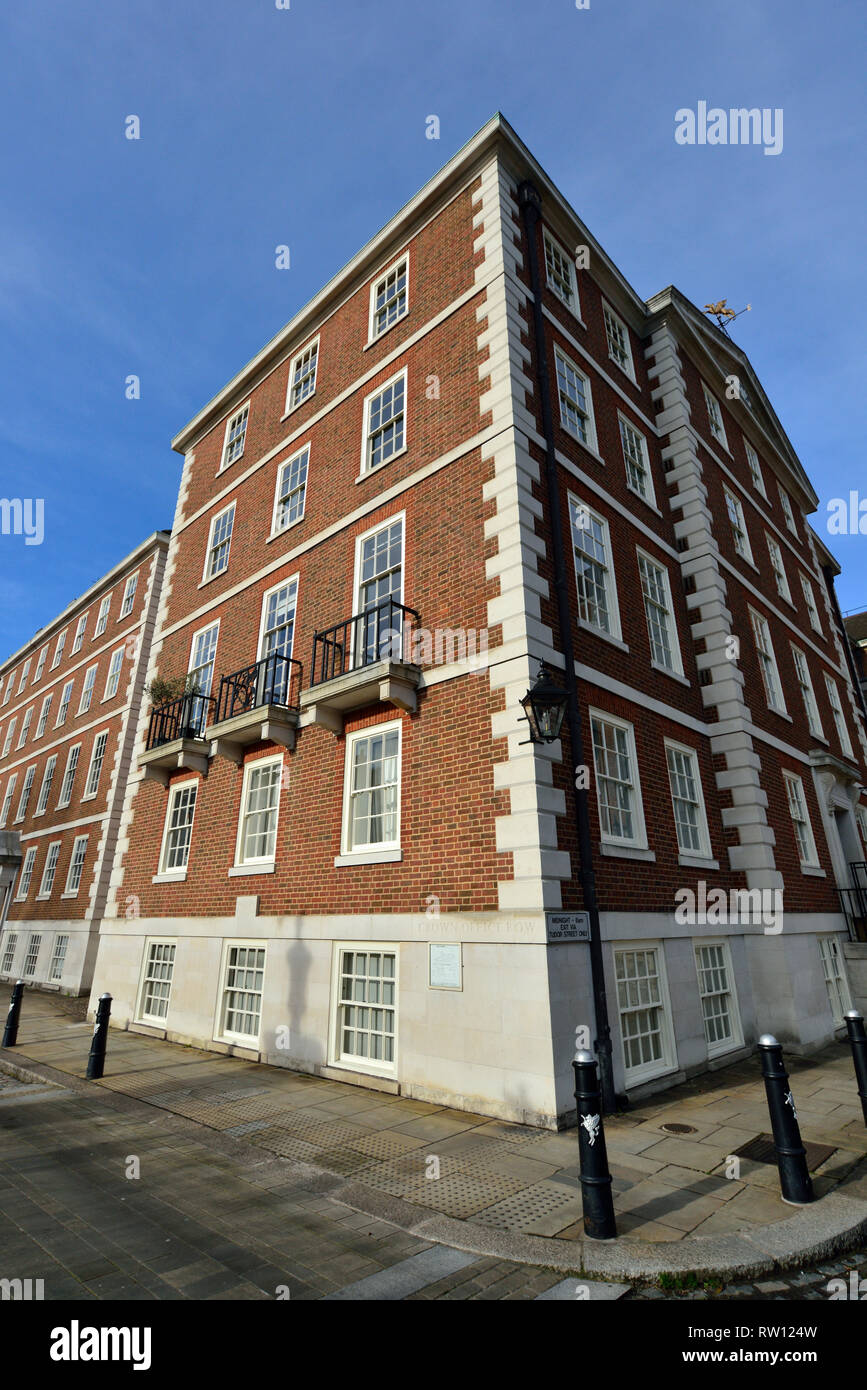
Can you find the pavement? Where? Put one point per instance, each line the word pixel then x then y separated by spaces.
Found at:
pixel 687 1206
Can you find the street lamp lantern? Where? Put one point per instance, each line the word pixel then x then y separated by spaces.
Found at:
pixel 544 707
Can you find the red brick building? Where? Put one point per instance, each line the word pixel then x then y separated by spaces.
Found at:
pixel 340 850
pixel 70 701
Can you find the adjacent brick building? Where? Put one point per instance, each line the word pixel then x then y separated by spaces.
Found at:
pixel 70 701
pixel 341 851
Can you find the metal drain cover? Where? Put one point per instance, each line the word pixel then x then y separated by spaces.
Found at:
pixel 761 1150
pixel 673 1128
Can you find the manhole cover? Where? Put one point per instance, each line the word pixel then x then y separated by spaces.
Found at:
pixel 761 1150
pixel 679 1129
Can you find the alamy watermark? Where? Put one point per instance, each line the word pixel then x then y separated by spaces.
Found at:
pixel 23 516
pixel 714 907
pixel 736 126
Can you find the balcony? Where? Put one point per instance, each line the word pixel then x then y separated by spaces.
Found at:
pixel 363 661
pixel 175 740
pixel 853 901
pixel 257 704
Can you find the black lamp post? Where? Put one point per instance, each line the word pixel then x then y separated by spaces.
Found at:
pixel 544 707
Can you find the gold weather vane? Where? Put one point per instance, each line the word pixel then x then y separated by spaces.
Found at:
pixel 724 315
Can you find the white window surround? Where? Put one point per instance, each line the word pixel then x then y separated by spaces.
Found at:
pixel 25 727
pixel 779 568
pixel 716 424
pixel 838 716
pixel 789 515
pixel 40 665
pixel 737 522
pixel 25 672
pixel 379 851
pixel 630 436
pixel 102 618
pixel 802 827
pixel 232 436
pixel 26 876
pixel 392 270
pixel 58 956
pixel 24 798
pixel 291 582
pixel 199 649
pixel 667 1061
pixel 350 1062
pixel 70 770
pixel 45 789
pixel 810 601
pixel 156 979
pixel 49 870
pixel 399 518
pixel 617 338
pixel 257 766
pixel 8 798
pixel 596 592
pixel 808 694
pixel 10 734
pixel 76 866
pixel 297 467
pixel 656 591
pixel 258 965
pixel 9 943
pixel 767 660
pixel 58 648
pixel 177 791
pixel 98 750
pixel 836 981
pixel 638 839
pixel 691 755
pixel 400 414
pixel 128 601
pixel 575 397
pixel 65 702
pixel 709 988
pixel 112 680
pixel 87 689
pixel 79 633
pixel 307 379
pixel 755 468
pixel 560 276
pixel 219 549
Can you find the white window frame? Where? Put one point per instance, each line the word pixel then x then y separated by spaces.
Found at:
pixel 367 437
pixel 69 772
pixel 129 593
pixel 842 980
pixel 145 977
pixel 778 565
pixel 755 467
pixel 59 947
pixel 638 839
pixel 738 524
pixel 704 849
pixel 87 794
pixel 31 954
pixel 767 661
pixel 176 788
pixel 289 582
pixel 838 716
pixel 25 672
pixel 225 461
pixel 589 420
pixel 10 734
pixel 59 648
pixel 40 665
pixel 649 495
pixel 43 714
pixel 349 1061
pixel 676 668
pixel 716 423
pixel 9 687
pixel 79 633
pixel 25 726
pixel 77 860
pixel 65 702
pixel 102 617
pixel 112 679
pixel 201 632
pixel 570 299
pixel 808 693
pixel 277 530
pixel 380 850
pixel 221 1032
pixel 374 334
pixel 88 688
pixel 25 878
pixel 788 513
pixel 8 798
pixel 811 605
pixel 49 868
pixel 208 571
pixel 609 577
pixel 9 942
pixel 296 361
pixel 613 322
pixel 47 783
pixel 384 525
pixel 795 795
pixel 256 765
pixel 634 1076
pixel 718 1049
pixel 26 791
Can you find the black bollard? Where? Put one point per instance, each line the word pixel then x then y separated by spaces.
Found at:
pixel 96 1060
pixel 795 1183
pixel 596 1193
pixel 10 1033
pixel 858 1039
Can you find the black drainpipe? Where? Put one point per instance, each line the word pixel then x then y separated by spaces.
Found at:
pixel 530 204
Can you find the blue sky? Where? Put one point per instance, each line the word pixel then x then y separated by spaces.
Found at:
pixel 306 126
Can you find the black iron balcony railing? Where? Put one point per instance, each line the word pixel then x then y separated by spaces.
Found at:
pixel 185 717
pixel 275 680
pixel 380 633
pixel 854 901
